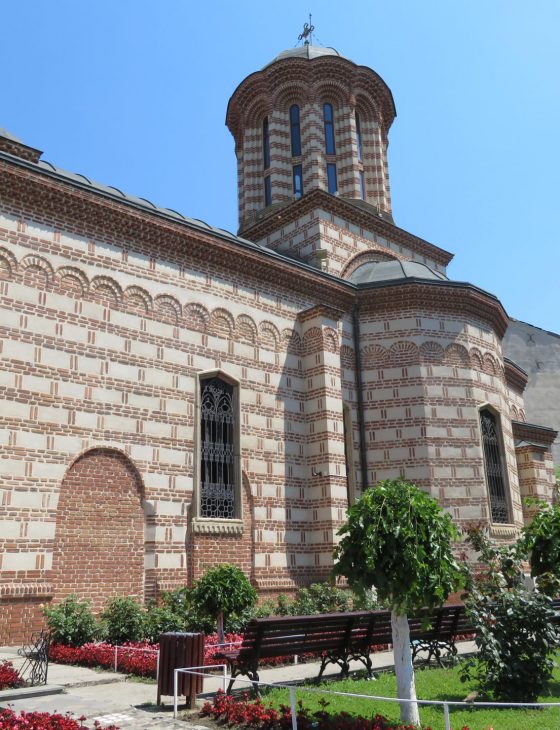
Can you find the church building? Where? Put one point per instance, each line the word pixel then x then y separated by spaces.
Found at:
pixel 174 396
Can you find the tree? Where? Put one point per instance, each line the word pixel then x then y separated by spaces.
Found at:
pixel 398 540
pixel 223 590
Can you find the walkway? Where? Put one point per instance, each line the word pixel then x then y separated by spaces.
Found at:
pixel 109 697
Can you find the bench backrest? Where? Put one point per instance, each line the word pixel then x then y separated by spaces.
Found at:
pixel 281 635
pixel 353 631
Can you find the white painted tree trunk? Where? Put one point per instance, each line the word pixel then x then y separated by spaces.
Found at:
pixel 406 686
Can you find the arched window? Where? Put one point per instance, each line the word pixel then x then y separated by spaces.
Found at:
pixel 295 130
pixel 359 137
pixel 266 144
pixel 218 457
pixel 328 118
pixel 494 467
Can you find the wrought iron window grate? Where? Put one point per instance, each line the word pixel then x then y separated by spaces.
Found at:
pixel 217 453
pixel 493 462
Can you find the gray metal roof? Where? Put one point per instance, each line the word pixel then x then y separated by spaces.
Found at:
pixel 374 271
pixel 142 202
pixel 305 51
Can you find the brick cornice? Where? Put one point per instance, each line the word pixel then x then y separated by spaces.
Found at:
pixel 165 236
pixel 516 377
pixel 531 432
pixel 359 216
pixel 449 297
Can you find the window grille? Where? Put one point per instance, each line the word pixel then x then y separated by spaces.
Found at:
pixel 493 462
pixel 217 453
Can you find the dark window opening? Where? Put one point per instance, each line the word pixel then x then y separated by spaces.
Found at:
pixel 362 185
pixel 298 181
pixel 295 130
pixel 217 453
pixel 266 144
pixel 328 118
pixel 267 191
pixel 359 137
pixel 331 178
pixel 494 467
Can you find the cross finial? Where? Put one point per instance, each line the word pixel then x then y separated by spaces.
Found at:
pixel 307 35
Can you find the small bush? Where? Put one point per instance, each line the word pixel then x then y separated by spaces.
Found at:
pixel 9 676
pixel 72 621
pixel 515 634
pixel 159 619
pixel 123 620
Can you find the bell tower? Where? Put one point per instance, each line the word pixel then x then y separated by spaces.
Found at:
pixel 311 136
pixel 310 119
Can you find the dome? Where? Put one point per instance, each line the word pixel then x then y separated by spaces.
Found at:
pixel 307 51
pixel 376 271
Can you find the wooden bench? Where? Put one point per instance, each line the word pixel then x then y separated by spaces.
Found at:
pixel 436 632
pixel 338 638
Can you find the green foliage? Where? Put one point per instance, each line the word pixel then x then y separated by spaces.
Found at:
pixel 158 620
pixel 72 622
pixel 321 598
pixel 123 620
pixel 515 636
pixel 541 539
pixel 398 539
pixel 223 589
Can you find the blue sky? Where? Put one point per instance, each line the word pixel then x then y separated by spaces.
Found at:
pixel 133 93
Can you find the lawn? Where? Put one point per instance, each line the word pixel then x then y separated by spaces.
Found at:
pixel 435 684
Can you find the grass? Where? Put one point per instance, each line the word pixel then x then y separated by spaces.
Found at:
pixel 434 684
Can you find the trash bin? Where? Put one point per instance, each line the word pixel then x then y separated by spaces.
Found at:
pixel 177 651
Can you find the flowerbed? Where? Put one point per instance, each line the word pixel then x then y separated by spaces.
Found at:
pixel 139 658
pixel 255 714
pixel 10 720
pixel 9 676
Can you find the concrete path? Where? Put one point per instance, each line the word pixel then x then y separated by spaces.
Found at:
pixel 112 698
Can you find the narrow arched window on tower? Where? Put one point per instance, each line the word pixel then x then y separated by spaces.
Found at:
pixel 295 130
pixel 359 137
pixel 328 118
pixel 266 144
pixel 494 467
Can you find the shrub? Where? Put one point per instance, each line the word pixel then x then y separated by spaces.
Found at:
pixel 541 539
pixel 123 620
pixel 9 676
pixel 321 598
pixel 159 619
pixel 515 634
pixel 72 621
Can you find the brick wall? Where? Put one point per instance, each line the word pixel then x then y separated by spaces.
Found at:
pixel 99 540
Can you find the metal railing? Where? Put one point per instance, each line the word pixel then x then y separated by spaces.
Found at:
pixel 445 704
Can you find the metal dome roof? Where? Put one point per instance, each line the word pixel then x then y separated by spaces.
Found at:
pixel 374 271
pixel 306 51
